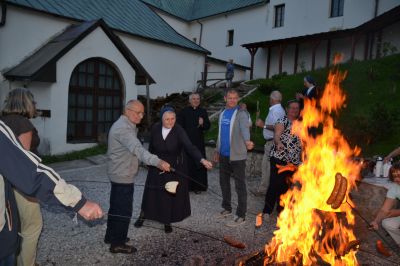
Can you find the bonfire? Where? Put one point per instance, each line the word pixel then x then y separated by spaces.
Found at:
pixel 316 225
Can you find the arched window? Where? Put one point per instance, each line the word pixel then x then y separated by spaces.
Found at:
pixel 94 100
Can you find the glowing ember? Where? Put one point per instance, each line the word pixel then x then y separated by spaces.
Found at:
pixel 310 230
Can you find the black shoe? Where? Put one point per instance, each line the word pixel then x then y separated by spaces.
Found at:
pixel 167 228
pixel 109 242
pixel 139 222
pixel 124 248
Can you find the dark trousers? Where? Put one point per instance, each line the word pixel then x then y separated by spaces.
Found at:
pixel 121 204
pixel 235 169
pixel 279 185
pixel 9 260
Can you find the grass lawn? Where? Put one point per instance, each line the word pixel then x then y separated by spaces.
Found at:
pixel 370 117
pixel 76 155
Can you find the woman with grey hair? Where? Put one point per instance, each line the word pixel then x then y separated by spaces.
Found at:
pixel 19 107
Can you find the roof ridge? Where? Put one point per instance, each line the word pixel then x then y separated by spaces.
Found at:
pixel 132 17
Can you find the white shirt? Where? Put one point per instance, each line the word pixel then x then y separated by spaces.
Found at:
pixel 309 90
pixel 394 191
pixel 165 131
pixel 275 112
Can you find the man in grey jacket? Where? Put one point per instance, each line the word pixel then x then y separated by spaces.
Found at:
pixel 124 152
pixel 232 145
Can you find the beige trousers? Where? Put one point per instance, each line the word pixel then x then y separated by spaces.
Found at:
pixel 31 227
pixel 392 226
pixel 265 168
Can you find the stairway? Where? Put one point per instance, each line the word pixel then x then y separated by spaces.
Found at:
pixel 214 109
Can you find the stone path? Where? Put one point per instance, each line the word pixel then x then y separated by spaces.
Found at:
pixel 63 242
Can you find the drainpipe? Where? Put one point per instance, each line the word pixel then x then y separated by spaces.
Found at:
pixel 148 102
pixel 3 13
pixel 201 31
pixel 379 33
pixel 376 8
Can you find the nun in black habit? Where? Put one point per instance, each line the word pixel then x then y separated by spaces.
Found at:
pixel 170 143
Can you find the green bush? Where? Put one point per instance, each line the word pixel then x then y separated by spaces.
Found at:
pixel 266 86
pixel 375 126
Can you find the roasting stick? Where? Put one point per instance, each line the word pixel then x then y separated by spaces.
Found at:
pixel 208 189
pixel 226 239
pixel 392 248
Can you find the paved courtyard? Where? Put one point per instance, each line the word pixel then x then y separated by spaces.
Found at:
pixel 198 239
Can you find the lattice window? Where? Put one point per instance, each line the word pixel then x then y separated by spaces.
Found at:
pixel 94 100
pixel 337 8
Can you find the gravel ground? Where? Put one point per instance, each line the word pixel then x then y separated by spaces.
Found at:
pixel 199 238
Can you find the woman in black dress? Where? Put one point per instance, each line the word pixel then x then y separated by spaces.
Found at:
pixel 170 143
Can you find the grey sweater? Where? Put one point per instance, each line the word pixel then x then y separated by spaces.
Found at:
pixel 124 151
pixel 239 134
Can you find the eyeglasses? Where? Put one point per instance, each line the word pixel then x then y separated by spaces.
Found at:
pixel 136 112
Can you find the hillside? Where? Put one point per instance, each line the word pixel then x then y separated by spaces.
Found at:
pixel 370 118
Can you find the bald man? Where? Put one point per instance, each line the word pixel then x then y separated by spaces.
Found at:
pixel 275 112
pixel 124 152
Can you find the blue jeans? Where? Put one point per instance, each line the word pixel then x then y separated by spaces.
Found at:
pixel 120 213
pixel 8 261
pixel 235 169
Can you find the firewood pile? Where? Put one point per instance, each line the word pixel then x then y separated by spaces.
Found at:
pixel 176 100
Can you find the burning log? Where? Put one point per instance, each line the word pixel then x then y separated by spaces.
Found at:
pixel 352 246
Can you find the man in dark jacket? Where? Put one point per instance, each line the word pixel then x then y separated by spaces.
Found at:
pixel 22 169
pixel 194 120
pixel 310 91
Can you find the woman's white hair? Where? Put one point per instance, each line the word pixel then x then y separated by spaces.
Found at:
pixel 276 95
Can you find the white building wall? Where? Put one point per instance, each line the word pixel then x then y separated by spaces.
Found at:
pixel 302 17
pixel 217 70
pixel 24 32
pixel 174 69
pixel 54 96
pixel 391 36
pixel 180 26
pixel 96 44
pixel 214 36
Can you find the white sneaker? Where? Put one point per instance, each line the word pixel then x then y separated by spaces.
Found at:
pixel 224 214
pixel 236 221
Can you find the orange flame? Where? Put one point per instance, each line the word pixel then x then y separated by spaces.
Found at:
pixel 309 229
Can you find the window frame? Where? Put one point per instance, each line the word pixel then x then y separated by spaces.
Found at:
pixel 86 114
pixel 279 16
pixel 230 37
pixel 337 8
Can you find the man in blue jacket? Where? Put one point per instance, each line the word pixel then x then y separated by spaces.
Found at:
pixel 232 145
pixel 22 169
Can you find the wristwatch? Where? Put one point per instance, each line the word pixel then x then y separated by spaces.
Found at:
pixel 265 127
